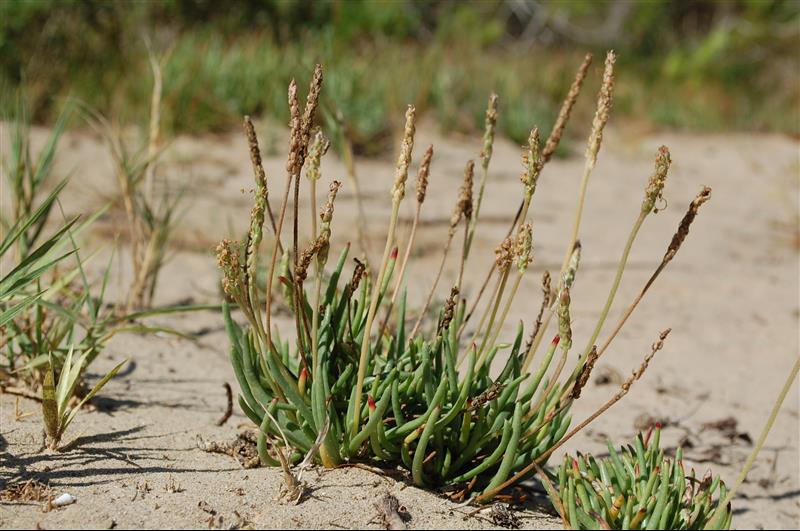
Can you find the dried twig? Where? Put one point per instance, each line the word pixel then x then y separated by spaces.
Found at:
pixel 229 406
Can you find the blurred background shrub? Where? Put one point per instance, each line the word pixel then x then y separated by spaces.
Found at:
pixel 700 65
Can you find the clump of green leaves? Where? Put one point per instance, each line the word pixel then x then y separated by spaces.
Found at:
pixel 637 487
pixel 422 397
pixel 58 394
pixel 20 288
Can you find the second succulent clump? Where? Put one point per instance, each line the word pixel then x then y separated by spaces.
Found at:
pixel 637 488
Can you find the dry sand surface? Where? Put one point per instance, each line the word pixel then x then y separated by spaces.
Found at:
pixel 731 297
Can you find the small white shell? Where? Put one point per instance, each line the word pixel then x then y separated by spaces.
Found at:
pixel 64 499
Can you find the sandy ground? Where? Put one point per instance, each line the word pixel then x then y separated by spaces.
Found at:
pixel 731 297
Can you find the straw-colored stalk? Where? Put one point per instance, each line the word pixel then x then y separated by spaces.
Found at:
pixel 762 438
pixel 398 192
pixel 486 157
pixel 423 174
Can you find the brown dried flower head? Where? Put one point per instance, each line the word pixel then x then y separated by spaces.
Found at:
pixel 463 208
pixel 229 262
pixel 488 132
pixel 301 269
pixel 449 310
pixel 422 175
pixel 504 254
pixel 566 109
pixel 532 161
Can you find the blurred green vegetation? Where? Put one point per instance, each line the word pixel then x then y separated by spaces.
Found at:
pixel 698 65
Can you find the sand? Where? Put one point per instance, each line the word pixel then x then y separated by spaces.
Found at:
pixel 731 298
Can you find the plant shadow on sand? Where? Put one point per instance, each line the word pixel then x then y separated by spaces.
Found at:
pixel 73 465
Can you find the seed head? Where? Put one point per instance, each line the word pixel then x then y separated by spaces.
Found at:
pixel 686 222
pixel 404 159
pixel 293 162
pixel 301 269
pixel 326 215
pixel 449 310
pixel 422 175
pixel 488 132
pixel 257 213
pixel 656 185
pixel 586 372
pixel 572 267
pixel 524 249
pixel 312 100
pixel 464 203
pixel 504 255
pixel 229 262
pixel 532 161
pixel 358 274
pixel 317 149
pixel 604 102
pixel 564 325
pixel 566 109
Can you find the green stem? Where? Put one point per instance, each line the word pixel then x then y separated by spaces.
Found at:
pixel 373 307
pixel 722 507
pixel 623 261
pixel 493 315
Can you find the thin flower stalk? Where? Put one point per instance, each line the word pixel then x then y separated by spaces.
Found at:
pixel 653 192
pixel 490 124
pixel 553 141
pixel 398 192
pixel 462 207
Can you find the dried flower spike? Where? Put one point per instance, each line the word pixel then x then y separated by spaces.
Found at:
pixel 604 101
pixel 404 159
pixel 316 151
pixel 504 255
pixel 488 133
pixel 326 215
pixel 229 261
pixel 564 325
pixel 656 185
pixel 301 270
pixel 586 372
pixel 572 267
pixel 295 131
pixel 423 173
pixel 260 206
pixel 688 218
pixel 566 109
pixel 463 207
pixel 532 160
pixel 524 247
pixel 449 310
pixel 312 100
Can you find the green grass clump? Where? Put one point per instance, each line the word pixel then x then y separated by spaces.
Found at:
pixel 49 310
pixel 356 382
pixel 637 488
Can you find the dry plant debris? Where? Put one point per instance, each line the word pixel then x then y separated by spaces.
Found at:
pixel 391 514
pixel 243 448
pixel 30 490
